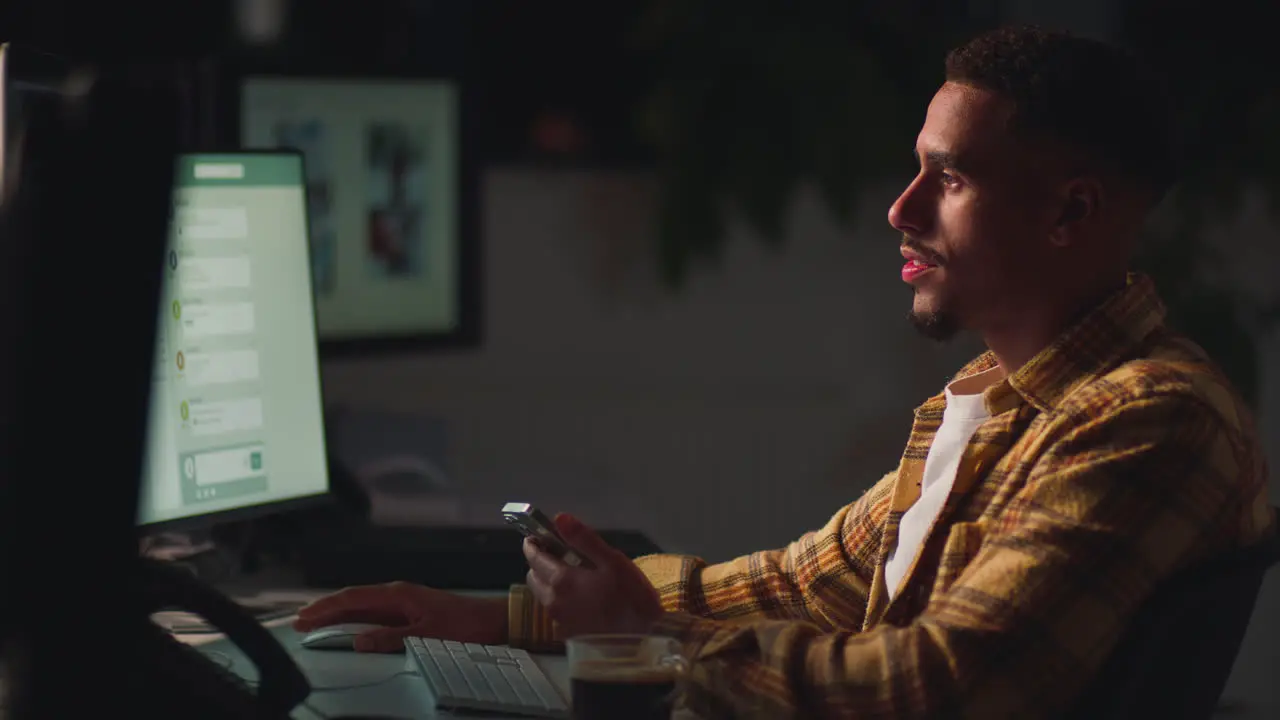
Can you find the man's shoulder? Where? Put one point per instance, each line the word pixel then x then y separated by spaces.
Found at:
pixel 1170 368
pixel 1173 390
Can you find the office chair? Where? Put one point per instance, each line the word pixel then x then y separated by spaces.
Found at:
pixel 1174 660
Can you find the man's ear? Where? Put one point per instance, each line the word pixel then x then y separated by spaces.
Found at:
pixel 1081 201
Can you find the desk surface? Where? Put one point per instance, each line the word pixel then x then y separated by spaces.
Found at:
pixel 350 683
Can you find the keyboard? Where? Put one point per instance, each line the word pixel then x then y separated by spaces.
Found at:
pixel 467 676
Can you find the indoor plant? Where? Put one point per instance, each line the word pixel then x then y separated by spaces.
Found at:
pixel 753 99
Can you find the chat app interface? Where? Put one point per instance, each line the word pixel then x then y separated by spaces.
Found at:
pixel 235 415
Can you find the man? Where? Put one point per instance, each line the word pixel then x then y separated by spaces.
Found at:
pixel 1089 455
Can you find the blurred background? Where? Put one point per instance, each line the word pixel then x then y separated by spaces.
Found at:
pixel 677 306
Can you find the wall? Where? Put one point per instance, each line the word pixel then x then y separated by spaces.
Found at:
pixel 728 418
pixel 1252 258
pixel 755 396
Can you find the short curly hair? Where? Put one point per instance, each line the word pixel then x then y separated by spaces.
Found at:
pixel 1094 96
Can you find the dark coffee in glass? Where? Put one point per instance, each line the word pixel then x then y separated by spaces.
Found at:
pixel 623 677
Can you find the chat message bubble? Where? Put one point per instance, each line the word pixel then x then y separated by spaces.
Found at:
pixel 216 417
pixel 201 320
pixel 216 368
pixel 213 273
pixel 218 171
pixel 222 466
pixel 203 223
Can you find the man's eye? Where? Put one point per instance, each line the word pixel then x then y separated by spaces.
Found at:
pixel 949 179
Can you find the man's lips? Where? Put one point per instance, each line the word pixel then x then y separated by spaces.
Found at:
pixel 913 255
pixel 917 264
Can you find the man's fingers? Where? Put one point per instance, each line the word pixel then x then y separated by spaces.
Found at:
pixel 382 640
pixel 354 615
pixel 365 603
pixel 548 566
pixel 585 540
pixel 530 548
pixel 348 598
pixel 540 589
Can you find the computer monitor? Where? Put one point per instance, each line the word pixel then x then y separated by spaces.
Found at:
pixel 32 86
pixel 393 203
pixel 82 240
pixel 236 425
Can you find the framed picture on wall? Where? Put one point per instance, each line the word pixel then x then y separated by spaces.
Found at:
pixel 393 201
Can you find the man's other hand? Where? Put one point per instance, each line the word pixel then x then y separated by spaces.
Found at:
pixel 614 596
pixel 408 610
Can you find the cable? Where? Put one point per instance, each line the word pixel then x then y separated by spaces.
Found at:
pixel 361 686
pixel 220 658
pixel 226 662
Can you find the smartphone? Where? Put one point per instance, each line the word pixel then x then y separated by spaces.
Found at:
pixel 532 523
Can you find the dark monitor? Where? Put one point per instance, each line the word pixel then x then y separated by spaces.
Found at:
pixel 32 89
pixel 82 238
pixel 392 203
pixel 236 420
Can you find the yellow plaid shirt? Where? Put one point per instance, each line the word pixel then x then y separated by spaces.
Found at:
pixel 1116 457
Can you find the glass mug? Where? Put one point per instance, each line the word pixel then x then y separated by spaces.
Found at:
pixel 624 677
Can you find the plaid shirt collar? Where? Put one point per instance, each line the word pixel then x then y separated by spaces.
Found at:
pixel 1095 344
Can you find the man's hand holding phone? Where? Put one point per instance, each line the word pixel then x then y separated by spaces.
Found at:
pixel 536 526
pixel 607 593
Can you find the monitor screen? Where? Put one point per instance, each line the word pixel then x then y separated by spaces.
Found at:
pixel 236 411
pixel 384 172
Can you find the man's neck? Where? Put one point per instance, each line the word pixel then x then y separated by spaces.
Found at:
pixel 1015 348
pixel 1020 338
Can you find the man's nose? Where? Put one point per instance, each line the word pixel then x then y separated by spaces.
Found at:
pixel 906 214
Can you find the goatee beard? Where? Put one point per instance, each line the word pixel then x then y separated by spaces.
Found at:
pixel 937 326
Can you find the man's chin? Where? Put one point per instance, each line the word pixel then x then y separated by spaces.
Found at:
pixel 939 326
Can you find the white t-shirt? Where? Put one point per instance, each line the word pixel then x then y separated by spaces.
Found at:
pixel 964 413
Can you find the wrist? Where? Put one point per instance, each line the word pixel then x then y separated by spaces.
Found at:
pixel 503 606
pixel 637 621
pixel 497 614
pixel 483 620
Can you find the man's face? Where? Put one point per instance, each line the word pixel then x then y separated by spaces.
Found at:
pixel 975 220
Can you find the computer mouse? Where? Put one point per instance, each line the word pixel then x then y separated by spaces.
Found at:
pixel 336 637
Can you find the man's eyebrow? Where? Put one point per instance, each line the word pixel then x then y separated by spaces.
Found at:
pixel 938 157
